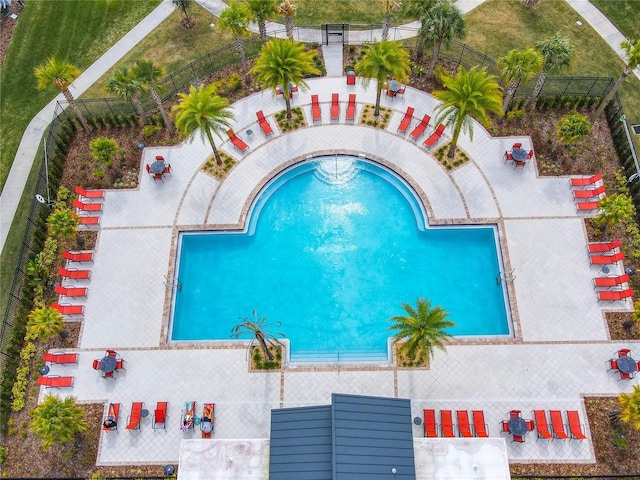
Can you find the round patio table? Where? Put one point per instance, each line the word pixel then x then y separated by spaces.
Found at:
pixel 519 154
pixel 157 166
pixel 517 426
pixel 394 86
pixel 626 364
pixel 108 364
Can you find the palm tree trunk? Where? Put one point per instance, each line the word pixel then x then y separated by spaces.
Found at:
pixel 625 73
pixel 385 26
pixel 287 101
pixel 376 112
pixel 454 140
pixel 263 346
pixel 511 89
pixel 213 146
pixel 69 97
pixel 419 47
pixel 432 65
pixel 262 27
pixel 165 117
pixel 139 108
pixel 289 27
pixel 536 91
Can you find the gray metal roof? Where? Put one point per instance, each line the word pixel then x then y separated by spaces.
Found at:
pixel 355 437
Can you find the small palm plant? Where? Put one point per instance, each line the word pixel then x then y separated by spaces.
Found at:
pixel 630 407
pixel 573 128
pixel 63 223
pixel 44 322
pixel 57 421
pixel 257 328
pixel 614 210
pixel 422 330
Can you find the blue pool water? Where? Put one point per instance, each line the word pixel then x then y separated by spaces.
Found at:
pixel 333 248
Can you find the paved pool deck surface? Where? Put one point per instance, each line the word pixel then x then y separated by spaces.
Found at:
pixel 556 357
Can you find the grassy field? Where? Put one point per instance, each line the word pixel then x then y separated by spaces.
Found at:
pixel 624 14
pixel 315 12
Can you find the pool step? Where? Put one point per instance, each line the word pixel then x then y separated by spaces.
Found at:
pixel 333 356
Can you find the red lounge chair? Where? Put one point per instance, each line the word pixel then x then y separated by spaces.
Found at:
pixel 430 426
pixel 351 108
pixel 558 426
pixel 187 418
pixel 335 107
pixel 615 295
pixel 55 381
pixel 315 109
pixel 237 141
pixel 264 124
pixel 447 423
pixel 434 137
pixel 60 358
pixel 160 415
pixel 78 256
pixel 89 193
pixel 585 181
pixel 585 194
pixel 464 428
pixel 87 207
pixel 406 121
pixel 610 281
pixel 134 418
pixel 89 220
pixel 574 425
pixel 206 424
pixel 420 128
pixel 479 426
pixel 112 415
pixel 541 422
pixel 68 309
pixel 71 291
pixel 604 246
pixel 74 274
pixel 606 259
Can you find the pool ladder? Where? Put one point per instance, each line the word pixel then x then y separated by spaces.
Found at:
pixel 506 276
pixel 171 284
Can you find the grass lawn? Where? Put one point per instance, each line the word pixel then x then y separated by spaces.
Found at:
pixel 314 12
pixel 624 14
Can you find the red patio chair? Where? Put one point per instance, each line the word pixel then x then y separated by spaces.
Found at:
pixel 585 181
pixel 430 426
pixel 558 426
pixel 351 108
pixel 623 352
pixel 112 353
pixel 237 141
pixel 68 309
pixel 159 158
pixel 167 170
pixel 530 154
pixel 60 358
pixel 107 375
pixel 508 157
pixel 160 415
pixel 602 247
pixel 606 259
pixel 134 418
pixel 264 124
pixel 401 91
pixel 406 121
pixel 316 113
pixel 112 414
pixel 96 364
pixel 71 291
pixel 148 167
pixel 530 425
pixel 55 381
pixel 120 364
pixel 464 428
pixel 78 256
pixel 615 295
pixel 516 145
pixel 505 426
pixel 158 176
pixel 87 207
pixel 514 413
pixel 541 423
pixel 447 424
pixel 609 282
pixel 89 193
pixel 589 193
pixel 575 428
pixel 479 426
pixel 434 137
pixel 420 128
pixel 518 438
pixel 613 364
pixel 335 107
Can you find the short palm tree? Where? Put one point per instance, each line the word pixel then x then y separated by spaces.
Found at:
pixel 288 10
pixel 389 6
pixel 440 24
pixel 469 94
pixel 573 128
pixel 518 66
pixel 60 74
pixel 615 209
pixel 417 9
pixel 422 329
pixel 149 73
pixel 235 19
pixel 124 84
pixel 632 47
pixel 630 405
pixel 63 223
pixel 44 322
pixel 283 62
pixel 257 328
pixel 185 6
pixel 382 60
pixel 261 10
pixel 202 111
pixel 557 53
pixel 57 421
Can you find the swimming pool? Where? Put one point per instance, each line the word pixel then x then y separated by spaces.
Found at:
pixel 332 249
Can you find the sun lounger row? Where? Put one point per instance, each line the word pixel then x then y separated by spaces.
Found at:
pixel 316 113
pixel 446 424
pixel 420 128
pixel 134 419
pixel 558 427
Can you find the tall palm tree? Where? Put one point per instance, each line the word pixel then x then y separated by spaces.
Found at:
pixel 57 421
pixel 518 66
pixel 283 62
pixel 417 9
pixel 124 83
pixel 202 111
pixel 557 53
pixel 257 328
pixel 149 73
pixel 288 10
pixel 381 60
pixel 423 329
pixel 261 10
pixel 235 19
pixel 60 74
pixel 440 24
pixel 469 94
pixel 390 6
pixel 632 47
pixel 44 322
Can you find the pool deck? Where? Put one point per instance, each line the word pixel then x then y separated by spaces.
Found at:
pixel 556 358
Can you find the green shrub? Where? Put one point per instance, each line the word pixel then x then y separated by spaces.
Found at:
pixel 104 150
pixel 98 173
pixel 515 115
pixel 234 82
pixel 150 130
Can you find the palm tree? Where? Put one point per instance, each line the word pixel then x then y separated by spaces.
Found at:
pixel 390 6
pixel 381 60
pixel 470 93
pixel 261 10
pixel 573 128
pixel 185 6
pixel 440 24
pixel 630 405
pixel 423 329
pixel 518 66
pixel 417 9
pixel 44 322
pixel 257 329
pixel 202 111
pixel 557 53
pixel 57 421
pixel 632 47
pixel 149 73
pixel 283 63
pixel 60 74
pixel 235 19
pixel 63 223
pixel 124 83
pixel 288 10
pixel 615 209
